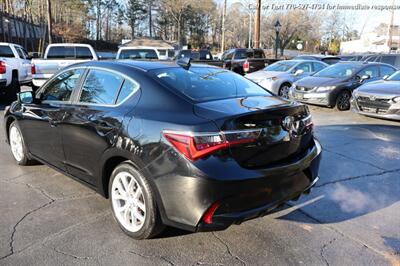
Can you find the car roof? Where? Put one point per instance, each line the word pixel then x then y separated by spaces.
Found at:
pixel 137 64
pixel 317 56
pixel 302 61
pixel 69 44
pixel 364 63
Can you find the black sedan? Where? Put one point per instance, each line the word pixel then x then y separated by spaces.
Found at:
pixel 333 86
pixel 379 99
pixel 195 147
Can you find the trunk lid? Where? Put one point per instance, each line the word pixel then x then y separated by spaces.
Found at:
pixel 277 143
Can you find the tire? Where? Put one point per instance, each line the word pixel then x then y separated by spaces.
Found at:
pixel 284 90
pixel 343 100
pixel 144 222
pixel 13 89
pixel 17 145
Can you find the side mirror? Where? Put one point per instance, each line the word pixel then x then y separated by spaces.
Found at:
pixel 298 72
pixel 386 77
pixel 25 97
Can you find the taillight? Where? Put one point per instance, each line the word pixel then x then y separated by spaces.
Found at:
pixel 3 67
pixel 207 217
pixel 33 69
pixel 196 145
pixel 246 66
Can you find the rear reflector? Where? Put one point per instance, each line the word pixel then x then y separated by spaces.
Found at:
pixel 196 145
pixel 3 67
pixel 246 66
pixel 207 217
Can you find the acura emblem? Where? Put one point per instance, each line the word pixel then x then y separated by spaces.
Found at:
pixel 292 126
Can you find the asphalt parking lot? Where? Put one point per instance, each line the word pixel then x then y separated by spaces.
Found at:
pixel 352 216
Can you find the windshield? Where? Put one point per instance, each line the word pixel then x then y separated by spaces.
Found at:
pixel 206 83
pixel 138 54
pixel 338 71
pixel 281 66
pixel 395 76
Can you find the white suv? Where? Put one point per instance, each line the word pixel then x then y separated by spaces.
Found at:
pixel 15 70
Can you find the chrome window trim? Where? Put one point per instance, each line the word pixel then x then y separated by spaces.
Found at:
pixel 88 68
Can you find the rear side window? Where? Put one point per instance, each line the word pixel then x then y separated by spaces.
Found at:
pixel 162 52
pixel 371 71
pixel 127 89
pixel 318 66
pixel 83 53
pixel 100 87
pixel 5 51
pixel 60 88
pixel 385 70
pixel 138 54
pixel 306 67
pixel 206 83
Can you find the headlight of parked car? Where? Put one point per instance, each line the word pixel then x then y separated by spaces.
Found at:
pixel 325 89
pixel 396 99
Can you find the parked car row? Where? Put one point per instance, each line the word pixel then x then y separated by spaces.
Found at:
pixel 314 82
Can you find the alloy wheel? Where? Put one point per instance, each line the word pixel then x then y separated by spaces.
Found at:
pixel 16 143
pixel 284 92
pixel 128 201
pixel 343 101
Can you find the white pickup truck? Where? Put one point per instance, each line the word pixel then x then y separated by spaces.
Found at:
pixel 15 70
pixel 56 57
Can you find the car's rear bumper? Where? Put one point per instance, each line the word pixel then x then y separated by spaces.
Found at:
pixel 222 221
pixel 185 199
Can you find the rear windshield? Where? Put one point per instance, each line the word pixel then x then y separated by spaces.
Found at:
pixel 205 55
pixel 69 52
pixel 206 84
pixel 5 51
pixel 338 71
pixel 281 66
pixel 138 54
pixel 243 54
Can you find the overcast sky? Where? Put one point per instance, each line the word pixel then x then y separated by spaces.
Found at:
pixel 357 19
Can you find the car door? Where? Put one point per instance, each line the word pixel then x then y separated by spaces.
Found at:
pixel 42 120
pixel 371 71
pixel 91 125
pixel 307 70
